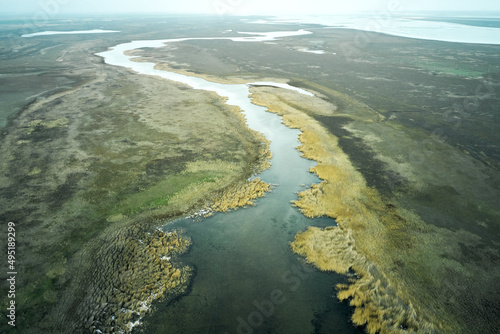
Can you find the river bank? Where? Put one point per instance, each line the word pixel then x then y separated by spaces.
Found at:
pixel 280 137
pixel 396 312
pixel 356 244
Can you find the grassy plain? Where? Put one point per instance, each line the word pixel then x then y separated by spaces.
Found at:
pixel 92 165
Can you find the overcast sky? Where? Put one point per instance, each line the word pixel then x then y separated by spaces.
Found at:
pixel 238 7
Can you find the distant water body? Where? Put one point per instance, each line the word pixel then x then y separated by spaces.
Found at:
pixel 75 32
pixel 447 29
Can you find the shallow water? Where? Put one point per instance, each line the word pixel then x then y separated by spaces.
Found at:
pixel 386 21
pixel 75 32
pixel 247 278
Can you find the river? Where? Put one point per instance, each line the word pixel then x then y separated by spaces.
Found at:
pixel 247 278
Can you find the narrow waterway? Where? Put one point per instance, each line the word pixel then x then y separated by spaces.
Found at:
pixel 247 278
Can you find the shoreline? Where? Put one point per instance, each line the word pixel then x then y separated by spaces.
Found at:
pixel 404 314
pixel 176 280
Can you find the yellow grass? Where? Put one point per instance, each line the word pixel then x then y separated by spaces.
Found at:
pixel 242 194
pixel 138 271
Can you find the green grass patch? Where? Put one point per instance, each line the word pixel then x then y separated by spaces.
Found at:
pixel 161 192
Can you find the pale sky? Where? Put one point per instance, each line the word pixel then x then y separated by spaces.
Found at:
pixel 238 7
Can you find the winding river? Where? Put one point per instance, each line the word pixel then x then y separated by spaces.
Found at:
pixel 247 278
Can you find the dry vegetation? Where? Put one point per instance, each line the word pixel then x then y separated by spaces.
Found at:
pixel 130 272
pixel 241 195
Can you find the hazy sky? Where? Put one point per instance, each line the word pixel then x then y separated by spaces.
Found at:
pixel 238 7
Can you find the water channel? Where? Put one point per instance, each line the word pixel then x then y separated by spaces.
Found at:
pixel 247 278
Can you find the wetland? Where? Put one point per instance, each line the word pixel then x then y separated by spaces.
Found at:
pixel 101 166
